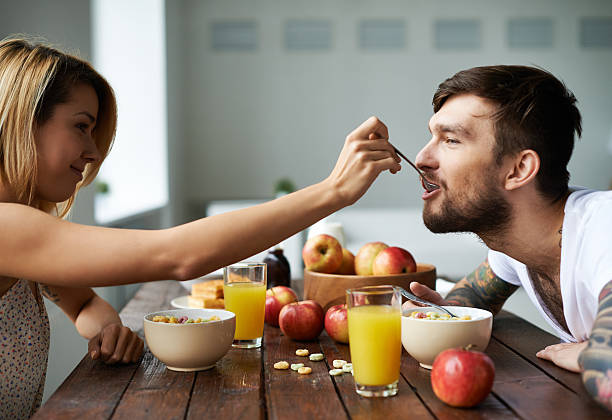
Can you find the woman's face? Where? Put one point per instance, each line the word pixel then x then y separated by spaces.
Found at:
pixel 65 145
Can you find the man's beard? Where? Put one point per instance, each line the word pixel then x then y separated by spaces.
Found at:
pixel 485 214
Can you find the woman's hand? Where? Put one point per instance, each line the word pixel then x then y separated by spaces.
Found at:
pixel 116 343
pixel 94 317
pixel 564 355
pixel 366 153
pixel 424 292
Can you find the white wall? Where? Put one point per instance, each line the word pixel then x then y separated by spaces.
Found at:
pixel 136 170
pixel 177 209
pixel 252 117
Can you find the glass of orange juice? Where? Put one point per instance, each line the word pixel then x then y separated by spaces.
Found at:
pixel 244 292
pixel 374 323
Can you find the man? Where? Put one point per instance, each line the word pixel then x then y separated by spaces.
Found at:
pixel 501 140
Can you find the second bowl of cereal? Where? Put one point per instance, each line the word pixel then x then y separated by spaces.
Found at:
pixel 189 339
pixel 426 332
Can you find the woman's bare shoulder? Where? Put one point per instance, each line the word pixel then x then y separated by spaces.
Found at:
pixel 17 210
pixel 20 217
pixel 46 249
pixel 24 232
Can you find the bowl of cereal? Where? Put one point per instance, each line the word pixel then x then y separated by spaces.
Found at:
pixel 426 332
pixel 189 339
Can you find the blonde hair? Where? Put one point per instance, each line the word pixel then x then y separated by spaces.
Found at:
pixel 34 78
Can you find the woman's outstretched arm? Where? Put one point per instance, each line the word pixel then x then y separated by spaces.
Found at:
pixel 44 249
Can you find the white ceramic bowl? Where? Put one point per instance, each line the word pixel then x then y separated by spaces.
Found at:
pixel 424 339
pixel 189 347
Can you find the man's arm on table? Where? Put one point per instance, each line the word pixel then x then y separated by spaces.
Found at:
pixel 596 359
pixel 481 289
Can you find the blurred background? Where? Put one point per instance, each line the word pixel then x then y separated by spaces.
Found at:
pixel 220 100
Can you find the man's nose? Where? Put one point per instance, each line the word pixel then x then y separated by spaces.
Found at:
pixel 425 158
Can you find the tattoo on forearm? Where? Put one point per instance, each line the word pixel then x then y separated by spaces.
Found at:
pixel 481 289
pixel 49 294
pixel 596 359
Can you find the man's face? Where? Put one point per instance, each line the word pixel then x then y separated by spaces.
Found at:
pixel 460 159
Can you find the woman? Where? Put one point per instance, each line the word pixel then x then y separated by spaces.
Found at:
pixel 57 123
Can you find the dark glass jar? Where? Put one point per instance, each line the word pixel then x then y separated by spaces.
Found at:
pixel 279 272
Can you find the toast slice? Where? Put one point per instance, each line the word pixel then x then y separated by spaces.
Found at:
pixel 212 289
pixel 205 302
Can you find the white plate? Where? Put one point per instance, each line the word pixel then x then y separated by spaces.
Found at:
pixel 181 302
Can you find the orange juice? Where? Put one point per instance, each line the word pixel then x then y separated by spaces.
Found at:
pixel 375 343
pixel 248 302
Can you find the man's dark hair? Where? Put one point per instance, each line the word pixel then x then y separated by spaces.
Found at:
pixel 535 111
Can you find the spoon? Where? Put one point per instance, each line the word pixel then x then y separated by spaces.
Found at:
pixel 414 298
pixel 428 185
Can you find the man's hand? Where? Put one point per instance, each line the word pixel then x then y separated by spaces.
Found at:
pixel 424 292
pixel 116 343
pixel 564 355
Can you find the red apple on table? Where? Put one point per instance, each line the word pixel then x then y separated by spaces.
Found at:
pixel 462 377
pixel 365 257
pixel 393 260
pixel 348 263
pixel 276 298
pixel 322 253
pixel 302 320
pixel 336 323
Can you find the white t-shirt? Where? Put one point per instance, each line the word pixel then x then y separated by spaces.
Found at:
pixel 586 263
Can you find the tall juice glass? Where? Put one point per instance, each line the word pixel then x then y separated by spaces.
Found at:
pixel 374 323
pixel 244 291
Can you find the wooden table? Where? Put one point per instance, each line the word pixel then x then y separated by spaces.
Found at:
pixel 244 384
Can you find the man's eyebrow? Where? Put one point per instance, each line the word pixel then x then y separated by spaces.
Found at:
pixel 453 128
pixel 92 119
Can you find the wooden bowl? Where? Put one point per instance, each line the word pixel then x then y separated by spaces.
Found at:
pixel 330 289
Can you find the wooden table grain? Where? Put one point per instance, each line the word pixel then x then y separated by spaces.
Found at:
pixel 243 385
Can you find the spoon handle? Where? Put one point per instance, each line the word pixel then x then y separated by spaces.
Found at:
pixel 414 298
pixel 428 185
pixel 407 160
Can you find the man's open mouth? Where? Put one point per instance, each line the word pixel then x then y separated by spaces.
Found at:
pixel 432 186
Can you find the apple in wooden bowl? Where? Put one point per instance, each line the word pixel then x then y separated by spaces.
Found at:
pixel 330 289
pixel 375 264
